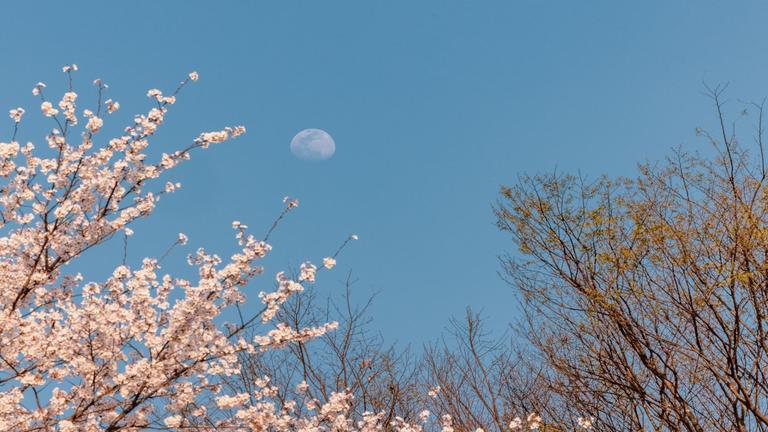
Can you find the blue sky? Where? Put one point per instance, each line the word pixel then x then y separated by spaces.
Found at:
pixel 432 105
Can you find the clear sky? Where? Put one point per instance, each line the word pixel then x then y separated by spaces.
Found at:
pixel 432 104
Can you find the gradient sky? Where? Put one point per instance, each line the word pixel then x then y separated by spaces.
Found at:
pixel 432 104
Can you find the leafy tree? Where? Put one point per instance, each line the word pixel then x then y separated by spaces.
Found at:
pixel 646 299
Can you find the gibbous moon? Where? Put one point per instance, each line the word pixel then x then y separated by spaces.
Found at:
pixel 313 144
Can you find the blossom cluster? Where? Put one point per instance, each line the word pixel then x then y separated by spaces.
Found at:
pixel 104 352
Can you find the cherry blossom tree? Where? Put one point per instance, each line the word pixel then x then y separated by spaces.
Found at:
pixel 141 349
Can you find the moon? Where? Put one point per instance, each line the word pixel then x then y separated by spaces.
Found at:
pixel 313 144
